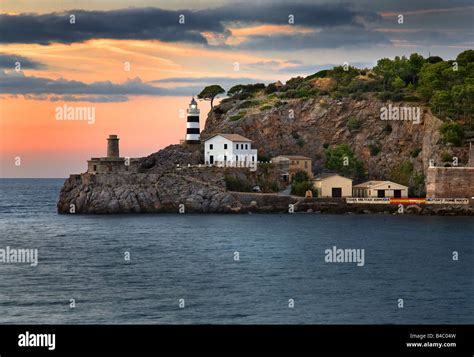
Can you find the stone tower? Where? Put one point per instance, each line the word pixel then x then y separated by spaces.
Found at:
pixel 113 146
pixel 192 127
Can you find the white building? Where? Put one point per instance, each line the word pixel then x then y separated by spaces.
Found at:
pixel 229 150
pixel 380 189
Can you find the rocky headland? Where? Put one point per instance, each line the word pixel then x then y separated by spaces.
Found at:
pixel 176 177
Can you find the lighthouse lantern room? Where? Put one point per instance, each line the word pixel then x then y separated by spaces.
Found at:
pixel 192 126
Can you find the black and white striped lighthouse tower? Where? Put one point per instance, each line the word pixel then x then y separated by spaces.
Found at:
pixel 192 128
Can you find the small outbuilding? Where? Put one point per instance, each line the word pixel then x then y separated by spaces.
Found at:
pixel 333 185
pixel 380 189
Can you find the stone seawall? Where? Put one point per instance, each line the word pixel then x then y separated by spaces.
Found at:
pixel 270 203
pixel 450 182
pixel 172 192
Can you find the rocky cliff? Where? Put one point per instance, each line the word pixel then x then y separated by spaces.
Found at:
pixel 173 176
pixel 161 182
pixel 308 126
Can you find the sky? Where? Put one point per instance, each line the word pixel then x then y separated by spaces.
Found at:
pixel 136 64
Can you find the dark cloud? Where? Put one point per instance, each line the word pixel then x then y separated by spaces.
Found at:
pixel 38 87
pixel 333 38
pixel 225 82
pixel 89 98
pixel 7 61
pixel 311 69
pixel 201 79
pixel 306 14
pixel 159 24
pixel 141 24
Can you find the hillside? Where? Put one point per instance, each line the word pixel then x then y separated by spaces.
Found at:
pixel 318 115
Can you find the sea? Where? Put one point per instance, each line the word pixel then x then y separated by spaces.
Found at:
pixel 229 269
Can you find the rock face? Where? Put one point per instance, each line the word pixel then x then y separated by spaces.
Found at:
pixel 306 126
pixel 140 193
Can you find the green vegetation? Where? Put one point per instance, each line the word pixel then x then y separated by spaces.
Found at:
pixel 242 91
pixel 238 116
pixel 233 183
pixel 401 173
pixel 415 152
pixel 341 159
pixel 404 174
pixel 265 107
pixel 446 157
pixel 417 188
pixel 298 88
pixel 301 183
pixel 320 74
pixel 248 104
pixel 452 133
pixel 353 124
pixel 210 92
pixel 271 88
pixel 446 86
pixel 374 150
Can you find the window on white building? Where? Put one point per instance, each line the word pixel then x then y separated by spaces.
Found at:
pixel 211 146
pixel 237 146
pixel 225 146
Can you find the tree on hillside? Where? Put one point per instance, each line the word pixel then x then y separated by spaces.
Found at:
pixel 341 159
pixel 210 92
pixel 452 133
pixel 301 183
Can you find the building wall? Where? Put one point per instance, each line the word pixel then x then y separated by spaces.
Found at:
pixel 325 186
pixel 373 191
pixel 300 165
pixel 236 154
pixel 450 182
pixel 106 165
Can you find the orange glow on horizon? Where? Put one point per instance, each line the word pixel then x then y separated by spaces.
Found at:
pixel 144 125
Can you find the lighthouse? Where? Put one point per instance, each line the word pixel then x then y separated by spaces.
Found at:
pixel 192 128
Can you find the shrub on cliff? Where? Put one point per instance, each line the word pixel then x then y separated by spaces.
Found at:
pixel 341 159
pixel 417 185
pixel 233 183
pixel 452 133
pixel 415 152
pixel 353 124
pixel 245 91
pixel 401 173
pixel 238 116
pixel 374 149
pixel 301 183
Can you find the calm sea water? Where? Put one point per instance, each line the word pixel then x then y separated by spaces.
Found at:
pixel 191 257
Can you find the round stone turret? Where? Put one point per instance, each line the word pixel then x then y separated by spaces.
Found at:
pixel 113 146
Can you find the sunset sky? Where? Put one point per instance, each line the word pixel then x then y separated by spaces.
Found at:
pixel 138 65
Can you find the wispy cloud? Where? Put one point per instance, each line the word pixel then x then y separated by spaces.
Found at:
pixel 58 89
